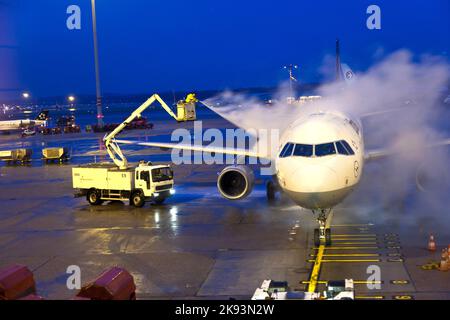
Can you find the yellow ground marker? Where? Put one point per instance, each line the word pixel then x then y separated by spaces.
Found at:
pixel 370 297
pixel 353 239
pixel 367 242
pixel 352 225
pixel 346 260
pixel 354 235
pixel 347 248
pixel 318 261
pixel 354 282
pixel 348 255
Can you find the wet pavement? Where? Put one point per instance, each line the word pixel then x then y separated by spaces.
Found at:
pixel 200 245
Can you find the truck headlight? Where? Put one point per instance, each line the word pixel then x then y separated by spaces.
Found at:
pixel 172 191
pixel 156 194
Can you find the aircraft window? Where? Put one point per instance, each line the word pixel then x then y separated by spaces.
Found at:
pixel 347 146
pixel 287 150
pixel 341 148
pixel 325 149
pixel 303 150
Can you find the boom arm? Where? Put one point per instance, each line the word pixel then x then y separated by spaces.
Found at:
pixel 112 147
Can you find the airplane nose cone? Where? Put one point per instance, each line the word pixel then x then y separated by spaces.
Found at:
pixel 313 178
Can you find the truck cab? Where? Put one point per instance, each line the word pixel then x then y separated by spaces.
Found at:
pixel 156 182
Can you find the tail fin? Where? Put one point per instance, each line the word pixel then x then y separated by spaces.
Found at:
pixel 43 115
pixel 347 74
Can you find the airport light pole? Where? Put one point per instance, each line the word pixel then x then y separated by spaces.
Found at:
pixel 71 100
pixel 97 71
pixel 291 77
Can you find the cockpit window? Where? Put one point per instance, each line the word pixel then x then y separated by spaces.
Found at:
pixel 319 150
pixel 303 150
pixel 287 150
pixel 343 144
pixel 325 149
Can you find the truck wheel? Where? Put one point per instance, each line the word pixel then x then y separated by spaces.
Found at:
pixel 93 197
pixel 137 199
pixel 159 200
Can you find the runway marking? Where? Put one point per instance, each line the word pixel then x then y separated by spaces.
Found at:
pixel 347 248
pixel 367 242
pixel 399 282
pixel 351 225
pixel 354 282
pixel 354 235
pixel 396 260
pixel 394 254
pixel 348 260
pixel 354 239
pixel 403 297
pixel 348 255
pixel 318 261
pixel 370 297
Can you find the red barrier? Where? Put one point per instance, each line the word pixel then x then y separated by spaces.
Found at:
pixel 16 281
pixel 113 284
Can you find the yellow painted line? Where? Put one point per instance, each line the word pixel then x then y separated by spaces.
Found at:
pixel 400 282
pixel 348 255
pixel 351 225
pixel 367 242
pixel 318 261
pixel 354 282
pixel 347 260
pixel 346 248
pixel 403 297
pixel 355 239
pixel 355 235
pixel 370 297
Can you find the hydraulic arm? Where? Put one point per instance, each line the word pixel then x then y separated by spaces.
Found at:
pixel 113 148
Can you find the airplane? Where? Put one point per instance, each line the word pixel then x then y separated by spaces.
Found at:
pixel 319 162
pixel 15 125
pixel 319 159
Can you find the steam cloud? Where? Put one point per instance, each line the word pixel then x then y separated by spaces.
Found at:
pixel 413 91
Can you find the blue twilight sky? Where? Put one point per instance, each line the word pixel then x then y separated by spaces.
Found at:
pixel 162 45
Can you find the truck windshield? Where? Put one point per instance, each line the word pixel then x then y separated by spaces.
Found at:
pixel 162 174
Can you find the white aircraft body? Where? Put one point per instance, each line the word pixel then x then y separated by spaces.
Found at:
pixel 14 125
pixel 319 161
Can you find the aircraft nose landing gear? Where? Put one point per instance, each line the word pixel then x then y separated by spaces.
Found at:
pixel 323 234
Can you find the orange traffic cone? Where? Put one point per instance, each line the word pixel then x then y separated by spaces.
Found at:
pixel 431 244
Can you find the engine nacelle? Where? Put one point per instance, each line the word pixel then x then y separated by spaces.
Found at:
pixel 235 182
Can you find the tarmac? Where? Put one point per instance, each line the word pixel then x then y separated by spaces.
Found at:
pixel 199 245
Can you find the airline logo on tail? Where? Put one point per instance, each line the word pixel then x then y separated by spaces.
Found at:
pixel 347 73
pixel 43 115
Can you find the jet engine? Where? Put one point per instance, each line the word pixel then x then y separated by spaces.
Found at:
pixel 235 182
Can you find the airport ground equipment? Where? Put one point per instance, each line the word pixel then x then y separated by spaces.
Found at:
pixel 280 290
pixel 118 181
pixel 113 284
pixel 55 154
pixel 16 155
pixel 105 181
pixel 113 148
pixel 16 281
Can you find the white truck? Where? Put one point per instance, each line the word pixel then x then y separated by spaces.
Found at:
pixel 105 181
pixel 118 180
pixel 279 290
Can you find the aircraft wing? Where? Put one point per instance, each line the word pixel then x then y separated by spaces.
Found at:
pixel 382 153
pixel 193 147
